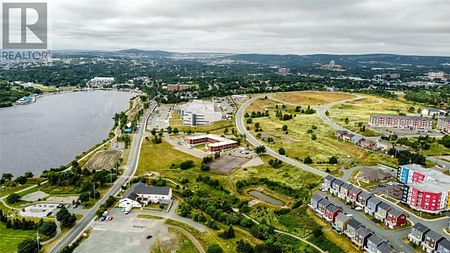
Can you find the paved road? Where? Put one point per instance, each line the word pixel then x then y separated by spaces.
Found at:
pixel 172 215
pixel 255 142
pixel 129 171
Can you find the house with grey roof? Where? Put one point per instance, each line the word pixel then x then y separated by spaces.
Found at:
pixel 384 247
pixel 382 211
pixel 443 246
pixel 361 236
pixel 340 222
pixel 322 206
pixel 140 195
pixel 327 182
pixel 316 197
pixel 343 192
pixel 362 199
pixel 372 205
pixel 352 226
pixel 431 240
pixel 417 234
pixel 336 186
pixel 372 243
pixel 353 194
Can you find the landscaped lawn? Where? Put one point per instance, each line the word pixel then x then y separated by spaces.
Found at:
pixel 11 238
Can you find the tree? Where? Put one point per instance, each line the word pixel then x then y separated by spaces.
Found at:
pixel 66 219
pixel 281 151
pixel 28 246
pixel 346 120
pixel 244 247
pixel 249 120
pixel 327 113
pixel 21 180
pixel 186 164
pixel 47 228
pixel 308 160
pixel 215 248
pixel 333 160
pixel 446 141
pixel 228 233
pixel 284 128
pixel 257 125
pixel 84 197
pixel 13 198
pixel 175 130
pixel 260 149
pixel 313 137
pixel 28 174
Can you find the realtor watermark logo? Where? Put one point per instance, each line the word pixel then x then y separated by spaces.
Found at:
pixel 24 31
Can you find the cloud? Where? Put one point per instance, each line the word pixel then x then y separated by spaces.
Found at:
pixel 300 27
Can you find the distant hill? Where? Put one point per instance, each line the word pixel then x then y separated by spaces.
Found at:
pixel 373 60
pixel 148 53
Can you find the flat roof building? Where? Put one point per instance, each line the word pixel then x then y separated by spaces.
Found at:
pixel 199 113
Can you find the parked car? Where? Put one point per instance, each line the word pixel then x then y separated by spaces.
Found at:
pixel 103 218
pixel 358 208
pixel 149 236
pixel 110 218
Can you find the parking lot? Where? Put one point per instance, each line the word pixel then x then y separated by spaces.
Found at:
pixel 124 233
pixel 160 118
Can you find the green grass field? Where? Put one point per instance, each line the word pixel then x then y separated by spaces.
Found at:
pixel 360 110
pixel 160 157
pixel 11 238
pixel 298 142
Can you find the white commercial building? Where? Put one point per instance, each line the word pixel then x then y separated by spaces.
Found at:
pixel 140 195
pixel 199 113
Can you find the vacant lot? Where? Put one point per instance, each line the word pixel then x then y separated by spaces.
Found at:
pixel 358 112
pixel 299 143
pixel 312 98
pixel 103 160
pixel 227 163
pixel 160 157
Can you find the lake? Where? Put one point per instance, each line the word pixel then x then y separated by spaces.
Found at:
pixel 56 128
pixel 266 198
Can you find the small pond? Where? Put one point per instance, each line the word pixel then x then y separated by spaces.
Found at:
pixel 261 196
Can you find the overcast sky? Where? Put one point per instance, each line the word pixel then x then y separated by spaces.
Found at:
pixel 281 27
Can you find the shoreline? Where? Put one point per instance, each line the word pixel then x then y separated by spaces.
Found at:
pixel 82 154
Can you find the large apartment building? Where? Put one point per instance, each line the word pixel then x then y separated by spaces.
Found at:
pixel 424 189
pixel 407 122
pixel 444 124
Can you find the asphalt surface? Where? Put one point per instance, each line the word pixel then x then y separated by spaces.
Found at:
pixel 130 168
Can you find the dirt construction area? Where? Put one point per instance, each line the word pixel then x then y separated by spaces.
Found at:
pixel 226 163
pixel 103 160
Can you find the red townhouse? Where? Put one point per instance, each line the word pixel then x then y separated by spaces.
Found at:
pixel 395 219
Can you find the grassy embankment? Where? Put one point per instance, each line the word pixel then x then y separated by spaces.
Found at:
pixel 299 144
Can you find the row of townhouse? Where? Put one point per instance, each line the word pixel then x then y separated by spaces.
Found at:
pixel 362 142
pixel 424 189
pixel 403 122
pixel 371 205
pixel 430 241
pixel 443 124
pixel 362 237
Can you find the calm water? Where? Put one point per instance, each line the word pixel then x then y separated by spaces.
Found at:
pixel 261 196
pixel 55 129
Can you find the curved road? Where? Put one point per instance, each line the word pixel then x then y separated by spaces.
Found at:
pixel 130 168
pixel 249 137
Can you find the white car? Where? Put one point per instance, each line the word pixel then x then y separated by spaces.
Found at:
pixel 358 208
